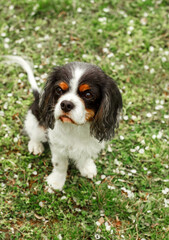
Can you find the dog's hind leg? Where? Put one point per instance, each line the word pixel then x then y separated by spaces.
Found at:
pixel 36 133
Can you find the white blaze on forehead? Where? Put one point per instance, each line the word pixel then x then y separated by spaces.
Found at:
pixel 74 82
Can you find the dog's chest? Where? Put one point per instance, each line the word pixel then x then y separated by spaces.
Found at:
pixel 74 139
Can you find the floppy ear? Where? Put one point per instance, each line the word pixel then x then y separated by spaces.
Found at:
pixel 46 107
pixel 48 100
pixel 107 116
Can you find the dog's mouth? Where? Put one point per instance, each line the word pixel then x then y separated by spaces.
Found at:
pixel 66 119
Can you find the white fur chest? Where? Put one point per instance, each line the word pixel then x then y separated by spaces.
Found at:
pixel 74 141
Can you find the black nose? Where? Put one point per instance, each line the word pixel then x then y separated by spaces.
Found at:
pixel 67 106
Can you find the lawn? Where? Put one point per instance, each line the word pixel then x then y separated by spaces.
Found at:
pixel 129 198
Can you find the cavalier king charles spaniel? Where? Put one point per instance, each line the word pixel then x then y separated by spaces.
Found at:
pixel 76 113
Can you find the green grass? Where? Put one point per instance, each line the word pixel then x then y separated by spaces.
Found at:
pixel 127 197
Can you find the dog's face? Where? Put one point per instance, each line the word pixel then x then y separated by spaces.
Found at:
pixel 77 93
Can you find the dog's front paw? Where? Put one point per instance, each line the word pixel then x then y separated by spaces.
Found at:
pixel 89 170
pixel 35 147
pixel 56 180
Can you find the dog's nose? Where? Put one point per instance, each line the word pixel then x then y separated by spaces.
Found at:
pixel 67 106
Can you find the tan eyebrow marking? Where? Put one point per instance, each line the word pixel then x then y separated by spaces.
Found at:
pixel 84 87
pixel 64 86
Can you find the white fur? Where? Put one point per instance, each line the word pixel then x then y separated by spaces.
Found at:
pixel 36 133
pixel 77 73
pixel 77 114
pixel 66 140
pixel 26 66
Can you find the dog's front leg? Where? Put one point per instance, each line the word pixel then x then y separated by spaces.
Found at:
pixel 86 166
pixel 58 175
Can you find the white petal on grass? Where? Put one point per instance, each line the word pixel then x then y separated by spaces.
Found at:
pixel 166 203
pixel 121 137
pixel 110 55
pixel 98 223
pixel 152 70
pixel 122 172
pixel 125 117
pixel 3 34
pixel 133 171
pixel 63 198
pixel 102 19
pixel 41 204
pixel 141 151
pixel 151 49
pixel 133 117
pixel 79 10
pixel 60 237
pixel 29 165
pixel 106 10
pixel 6 45
pixel 146 67
pixel 110 187
pixel 73 22
pixel 137 148
pixel 109 148
pixel 98 58
pixel 98 182
pixel 105 50
pixel 131 28
pixel 163 59
pixel 143 21
pixel 118 163
pixel 166 53
pixel 165 191
pixel 158 107
pixel 2 114
pixel 99 30
pixel 159 135
pixel 129 193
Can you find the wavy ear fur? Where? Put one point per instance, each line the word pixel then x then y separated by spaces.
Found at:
pixel 107 116
pixel 48 100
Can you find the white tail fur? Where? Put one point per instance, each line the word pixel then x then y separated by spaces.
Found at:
pixel 26 66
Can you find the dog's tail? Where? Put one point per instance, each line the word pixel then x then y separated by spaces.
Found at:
pixel 28 69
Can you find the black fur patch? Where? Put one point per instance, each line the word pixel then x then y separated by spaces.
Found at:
pixel 35 105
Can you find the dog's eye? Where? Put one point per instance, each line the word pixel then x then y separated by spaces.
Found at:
pixel 59 91
pixel 88 95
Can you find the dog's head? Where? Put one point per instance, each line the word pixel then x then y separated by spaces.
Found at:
pixel 77 93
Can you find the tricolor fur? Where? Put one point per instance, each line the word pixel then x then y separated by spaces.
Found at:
pixel 77 112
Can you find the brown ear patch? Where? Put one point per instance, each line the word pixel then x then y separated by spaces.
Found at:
pixel 84 87
pixel 89 114
pixel 64 86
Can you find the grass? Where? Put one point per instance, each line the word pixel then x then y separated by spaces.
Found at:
pixel 129 198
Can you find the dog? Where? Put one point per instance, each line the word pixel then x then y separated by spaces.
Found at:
pixel 76 113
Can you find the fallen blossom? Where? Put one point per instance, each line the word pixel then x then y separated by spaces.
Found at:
pixel 149 115
pixel 133 171
pixel 129 193
pixel 141 151
pixel 98 182
pixel 41 204
pixel 118 163
pixel 110 187
pixel 63 197
pixel 165 191
pixel 166 203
